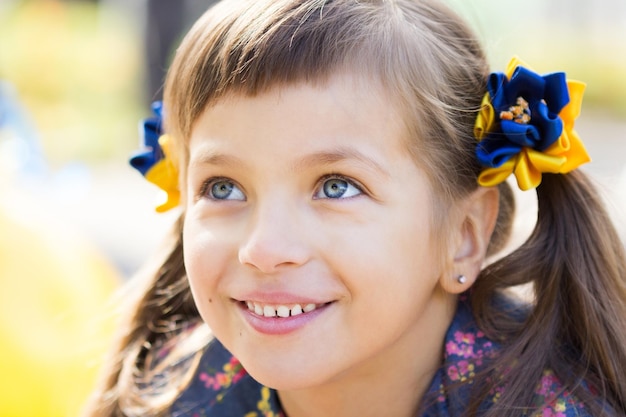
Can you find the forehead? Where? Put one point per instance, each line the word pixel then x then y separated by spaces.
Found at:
pixel 344 108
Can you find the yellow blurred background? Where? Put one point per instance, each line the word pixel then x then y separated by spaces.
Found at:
pixel 76 221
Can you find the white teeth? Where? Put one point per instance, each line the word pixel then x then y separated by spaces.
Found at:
pixel 269 311
pixel 258 309
pixel 280 310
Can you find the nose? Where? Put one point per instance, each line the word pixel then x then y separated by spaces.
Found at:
pixel 276 239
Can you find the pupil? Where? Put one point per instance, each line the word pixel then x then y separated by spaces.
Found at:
pixel 335 188
pixel 222 190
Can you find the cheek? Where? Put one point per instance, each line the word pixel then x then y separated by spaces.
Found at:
pixel 392 260
pixel 206 259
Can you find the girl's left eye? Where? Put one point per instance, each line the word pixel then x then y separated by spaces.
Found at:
pixel 336 187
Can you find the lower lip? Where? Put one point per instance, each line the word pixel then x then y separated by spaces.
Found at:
pixel 281 325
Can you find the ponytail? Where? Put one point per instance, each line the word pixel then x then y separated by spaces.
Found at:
pixel 577 326
pixel 163 311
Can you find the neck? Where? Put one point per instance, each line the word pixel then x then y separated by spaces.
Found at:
pixel 390 384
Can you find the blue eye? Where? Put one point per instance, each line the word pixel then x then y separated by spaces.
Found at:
pixel 223 189
pixel 337 187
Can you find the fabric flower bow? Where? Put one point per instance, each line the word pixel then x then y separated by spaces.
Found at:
pixel 154 160
pixel 526 126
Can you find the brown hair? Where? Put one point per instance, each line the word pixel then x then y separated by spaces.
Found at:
pixel 431 63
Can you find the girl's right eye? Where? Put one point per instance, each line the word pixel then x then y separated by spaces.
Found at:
pixel 222 189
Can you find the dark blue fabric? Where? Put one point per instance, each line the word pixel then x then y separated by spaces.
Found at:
pixel 466 352
pixel 546 96
pixel 150 129
pixel 237 401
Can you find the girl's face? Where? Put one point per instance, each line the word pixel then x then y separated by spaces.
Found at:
pixel 308 237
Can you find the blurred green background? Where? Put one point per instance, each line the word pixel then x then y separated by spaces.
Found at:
pixel 80 67
pixel 76 221
pixel 77 68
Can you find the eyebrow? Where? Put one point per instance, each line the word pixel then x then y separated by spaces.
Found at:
pixel 337 155
pixel 329 157
pixel 209 157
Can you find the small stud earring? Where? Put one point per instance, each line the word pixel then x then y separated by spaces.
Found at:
pixel 462 279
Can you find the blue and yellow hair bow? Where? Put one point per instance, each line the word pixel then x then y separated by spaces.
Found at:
pixel 154 161
pixel 526 126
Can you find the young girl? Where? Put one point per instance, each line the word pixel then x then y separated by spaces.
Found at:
pixel 341 170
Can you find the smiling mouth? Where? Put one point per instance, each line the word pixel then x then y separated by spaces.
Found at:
pixel 280 310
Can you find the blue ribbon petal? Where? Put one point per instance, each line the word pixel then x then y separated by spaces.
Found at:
pixel 151 152
pixel 495 151
pixel 520 134
pixel 556 94
pixel 524 83
pixel 549 124
pixel 496 88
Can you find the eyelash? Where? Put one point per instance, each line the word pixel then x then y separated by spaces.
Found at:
pixel 209 183
pixel 206 185
pixel 334 176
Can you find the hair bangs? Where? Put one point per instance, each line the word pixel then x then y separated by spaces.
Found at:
pixel 248 49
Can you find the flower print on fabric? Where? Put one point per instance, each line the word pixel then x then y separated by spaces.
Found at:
pixel 231 373
pixel 222 388
pixel 264 408
pixel 467 351
pixel 552 400
pixel 463 347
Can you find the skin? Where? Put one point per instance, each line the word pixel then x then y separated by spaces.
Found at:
pixel 308 192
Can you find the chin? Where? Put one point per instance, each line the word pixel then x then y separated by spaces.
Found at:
pixel 286 379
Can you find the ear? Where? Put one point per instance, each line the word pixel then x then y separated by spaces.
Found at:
pixel 471 233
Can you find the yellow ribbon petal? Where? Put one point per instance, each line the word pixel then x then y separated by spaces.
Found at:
pixel 575 151
pixel 485 118
pixel 569 144
pixel 571 147
pixel 543 162
pixel 571 111
pixel 164 174
pixel 490 177
pixel 525 172
pixel 514 63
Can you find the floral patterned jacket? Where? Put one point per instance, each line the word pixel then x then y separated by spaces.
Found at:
pixel 222 388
